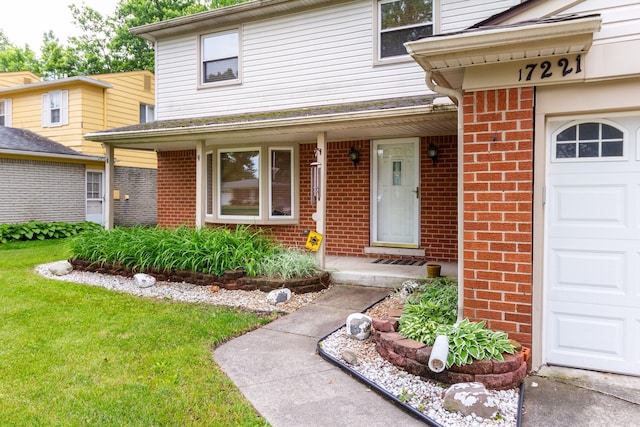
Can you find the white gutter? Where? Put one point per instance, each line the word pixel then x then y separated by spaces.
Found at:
pixel 458 96
pixel 83 157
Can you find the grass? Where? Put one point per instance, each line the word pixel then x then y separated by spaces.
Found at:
pixel 77 355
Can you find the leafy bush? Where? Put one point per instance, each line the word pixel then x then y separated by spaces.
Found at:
pixel 36 230
pixel 285 265
pixel 207 250
pixel 432 311
pixel 434 304
pixel 470 340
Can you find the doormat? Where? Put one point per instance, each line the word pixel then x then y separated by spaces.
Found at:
pixel 396 261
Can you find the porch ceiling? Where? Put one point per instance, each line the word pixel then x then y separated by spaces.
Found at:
pixel 417 116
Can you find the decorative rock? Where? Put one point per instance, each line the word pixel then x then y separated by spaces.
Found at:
pixel 278 296
pixel 349 357
pixel 144 280
pixel 359 326
pixel 470 399
pixel 61 268
pixel 409 287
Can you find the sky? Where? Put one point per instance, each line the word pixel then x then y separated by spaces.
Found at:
pixel 25 22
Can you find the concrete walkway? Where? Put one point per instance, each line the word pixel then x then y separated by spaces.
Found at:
pixel 278 370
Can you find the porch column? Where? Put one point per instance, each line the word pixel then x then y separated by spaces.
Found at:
pixel 109 174
pixel 319 215
pixel 201 187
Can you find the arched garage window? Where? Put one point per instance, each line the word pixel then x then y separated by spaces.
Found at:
pixel 589 140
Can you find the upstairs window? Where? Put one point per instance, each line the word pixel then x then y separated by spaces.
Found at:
pixel 220 57
pixel 147 113
pixel 589 140
pixel 5 112
pixel 401 21
pixel 55 108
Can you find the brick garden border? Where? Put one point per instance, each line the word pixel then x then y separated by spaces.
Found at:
pixel 413 357
pixel 231 280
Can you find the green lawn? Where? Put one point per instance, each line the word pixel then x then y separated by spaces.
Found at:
pixel 76 355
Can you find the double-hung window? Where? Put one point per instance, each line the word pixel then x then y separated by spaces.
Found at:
pixel 251 184
pixel 401 21
pixel 5 112
pixel 220 57
pixel 147 113
pixel 55 108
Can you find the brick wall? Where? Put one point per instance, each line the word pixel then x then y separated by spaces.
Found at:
pixel 140 184
pixel 498 219
pixel 177 188
pixel 41 191
pixel 348 197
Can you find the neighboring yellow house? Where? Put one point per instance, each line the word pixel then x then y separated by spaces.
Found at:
pixel 66 109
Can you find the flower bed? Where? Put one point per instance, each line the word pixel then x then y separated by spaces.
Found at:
pixel 231 280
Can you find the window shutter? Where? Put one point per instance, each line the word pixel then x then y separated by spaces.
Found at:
pixel 7 112
pixel 64 108
pixel 46 115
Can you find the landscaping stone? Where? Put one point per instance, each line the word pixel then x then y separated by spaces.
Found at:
pixel 278 296
pixel 61 268
pixel 144 280
pixel 359 326
pixel 470 399
pixel 349 357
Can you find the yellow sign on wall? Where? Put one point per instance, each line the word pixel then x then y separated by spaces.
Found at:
pixel 313 241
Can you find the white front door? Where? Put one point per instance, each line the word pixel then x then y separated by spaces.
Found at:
pixel 592 261
pixel 396 193
pixel 95 197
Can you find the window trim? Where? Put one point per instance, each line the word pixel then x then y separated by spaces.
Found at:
pixel 377 60
pixel 64 109
pixel 600 158
pixel 212 180
pixel 7 111
pixel 204 85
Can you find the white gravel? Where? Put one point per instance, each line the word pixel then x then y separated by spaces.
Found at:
pixel 425 396
pixel 185 292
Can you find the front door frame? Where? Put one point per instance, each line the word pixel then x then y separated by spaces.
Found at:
pixel 374 193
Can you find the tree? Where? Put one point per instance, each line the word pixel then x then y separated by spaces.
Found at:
pixel 14 58
pixel 57 61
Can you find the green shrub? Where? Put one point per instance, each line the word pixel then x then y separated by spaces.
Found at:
pixel 285 265
pixel 207 250
pixel 36 230
pixel 469 341
pixel 434 304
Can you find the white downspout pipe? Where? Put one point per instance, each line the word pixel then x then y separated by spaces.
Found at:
pixel 458 95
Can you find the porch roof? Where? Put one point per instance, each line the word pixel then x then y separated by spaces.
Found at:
pixel 385 118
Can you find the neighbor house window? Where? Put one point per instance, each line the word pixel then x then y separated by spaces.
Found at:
pixel 55 108
pixel 251 184
pixel 5 112
pixel 147 113
pixel 401 21
pixel 220 56
pixel 589 140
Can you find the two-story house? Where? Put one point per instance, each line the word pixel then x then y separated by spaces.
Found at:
pixel 64 110
pixel 502 135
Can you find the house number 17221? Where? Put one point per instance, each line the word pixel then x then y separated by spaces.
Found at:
pixel 546 69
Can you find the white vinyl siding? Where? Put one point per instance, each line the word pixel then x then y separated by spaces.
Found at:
pixel 456 15
pixel 55 108
pixel 5 112
pixel 620 19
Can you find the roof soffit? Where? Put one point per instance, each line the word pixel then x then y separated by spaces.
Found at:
pixel 490 45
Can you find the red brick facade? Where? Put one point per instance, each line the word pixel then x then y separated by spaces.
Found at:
pixel 498 203
pixel 348 197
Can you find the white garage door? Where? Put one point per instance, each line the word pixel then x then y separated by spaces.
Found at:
pixel 592 254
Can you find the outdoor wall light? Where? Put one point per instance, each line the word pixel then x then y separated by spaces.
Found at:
pixel 354 156
pixel 432 152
